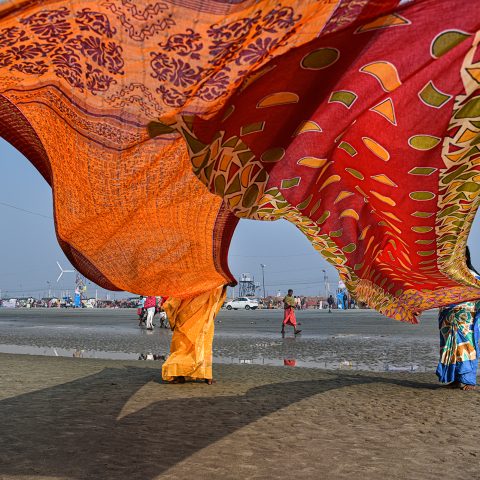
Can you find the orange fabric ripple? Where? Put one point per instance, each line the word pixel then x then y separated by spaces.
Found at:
pixel 79 83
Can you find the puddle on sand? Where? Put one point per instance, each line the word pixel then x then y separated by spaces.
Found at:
pixel 62 352
pixel 288 362
pixel 325 365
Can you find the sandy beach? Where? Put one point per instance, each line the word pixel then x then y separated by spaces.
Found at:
pixel 67 418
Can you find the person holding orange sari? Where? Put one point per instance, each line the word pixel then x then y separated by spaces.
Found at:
pixel 192 323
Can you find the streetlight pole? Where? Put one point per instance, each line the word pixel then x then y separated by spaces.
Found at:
pixel 325 283
pixel 263 278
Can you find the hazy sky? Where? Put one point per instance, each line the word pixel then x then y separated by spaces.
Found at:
pixel 29 249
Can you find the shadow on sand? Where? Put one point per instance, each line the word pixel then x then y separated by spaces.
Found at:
pixel 74 430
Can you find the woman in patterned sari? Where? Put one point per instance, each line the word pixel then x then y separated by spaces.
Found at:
pixel 459 337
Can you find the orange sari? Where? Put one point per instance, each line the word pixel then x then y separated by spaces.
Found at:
pixel 192 322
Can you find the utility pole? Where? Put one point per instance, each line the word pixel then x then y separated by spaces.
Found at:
pixel 263 278
pixel 325 283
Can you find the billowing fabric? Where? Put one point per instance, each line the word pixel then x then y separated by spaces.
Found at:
pixel 192 322
pixel 159 125
pixel 365 139
pixel 459 348
pixel 79 83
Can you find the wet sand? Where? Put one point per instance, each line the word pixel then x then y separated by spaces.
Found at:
pixel 68 418
pixel 355 339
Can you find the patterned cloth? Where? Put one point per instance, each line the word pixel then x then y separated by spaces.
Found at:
pixel 459 347
pixel 159 125
pixel 362 139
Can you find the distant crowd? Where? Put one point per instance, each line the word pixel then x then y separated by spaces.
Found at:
pixel 342 300
pixel 67 302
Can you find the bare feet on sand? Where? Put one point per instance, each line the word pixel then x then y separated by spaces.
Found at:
pixel 461 386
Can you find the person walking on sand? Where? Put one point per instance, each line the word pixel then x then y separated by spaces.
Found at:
pixel 162 313
pixel 150 305
pixel 330 302
pixel 289 313
pixel 141 311
pixel 459 337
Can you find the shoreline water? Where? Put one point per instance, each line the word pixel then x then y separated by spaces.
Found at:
pixel 351 340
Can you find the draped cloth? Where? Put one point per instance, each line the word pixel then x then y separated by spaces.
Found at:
pixel 366 139
pixel 80 80
pixel 289 317
pixel 289 311
pixel 459 348
pixel 192 322
pixel 159 125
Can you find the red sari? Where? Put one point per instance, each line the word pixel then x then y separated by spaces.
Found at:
pixel 289 317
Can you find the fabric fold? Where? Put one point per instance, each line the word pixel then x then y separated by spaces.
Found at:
pixel 192 322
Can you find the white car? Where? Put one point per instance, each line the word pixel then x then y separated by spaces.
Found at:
pixel 242 302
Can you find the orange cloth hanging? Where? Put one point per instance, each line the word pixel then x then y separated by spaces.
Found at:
pixel 192 321
pixel 289 317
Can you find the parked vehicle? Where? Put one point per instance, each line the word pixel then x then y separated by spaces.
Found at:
pixel 242 302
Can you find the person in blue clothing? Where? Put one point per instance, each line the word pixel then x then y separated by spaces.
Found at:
pixel 459 337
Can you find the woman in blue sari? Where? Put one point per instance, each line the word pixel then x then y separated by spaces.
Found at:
pixel 459 337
